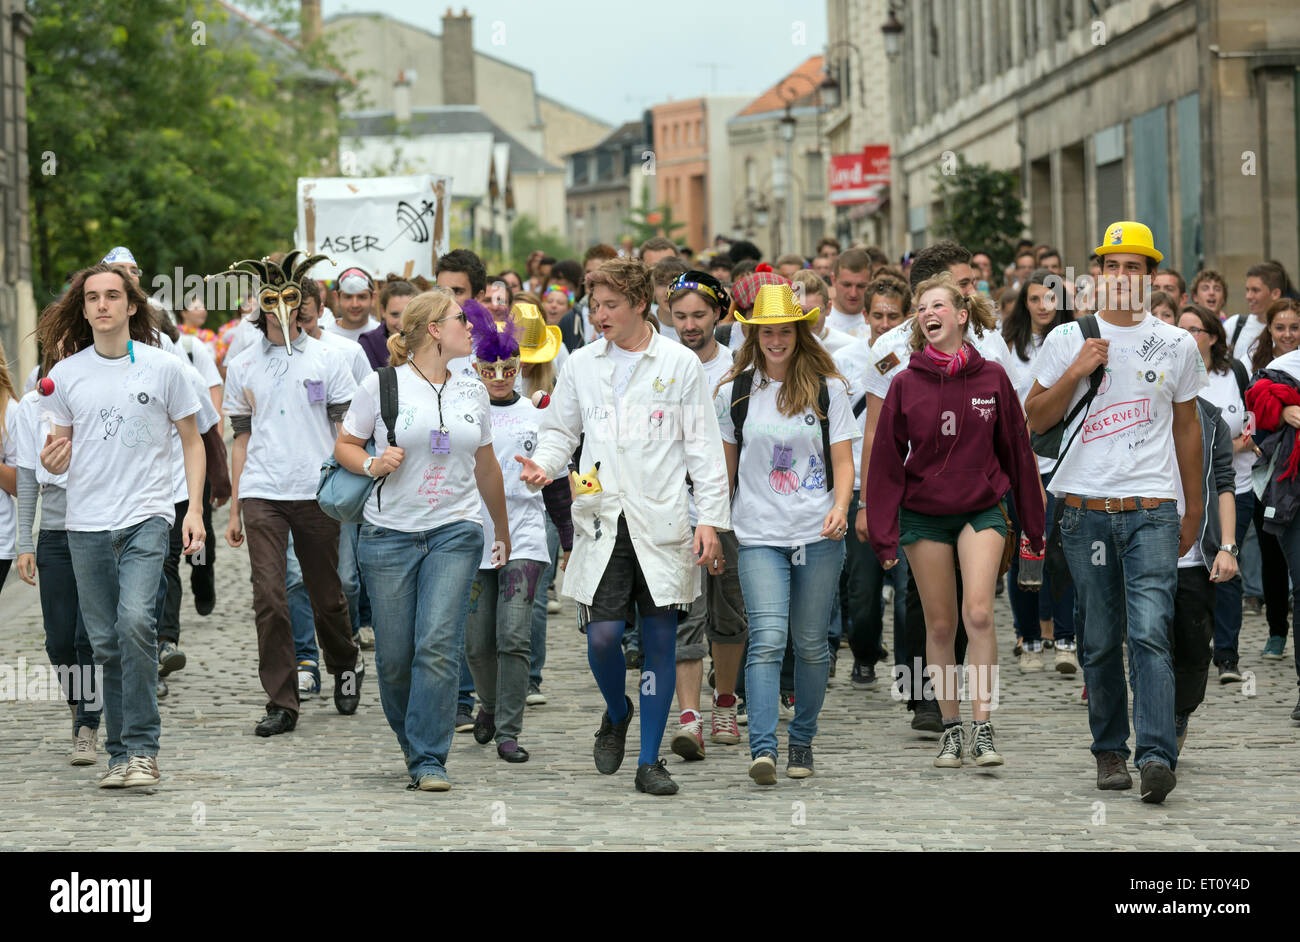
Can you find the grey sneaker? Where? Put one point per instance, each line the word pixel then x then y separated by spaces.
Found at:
pixel 981 745
pixel 763 769
pixel 951 748
pixel 800 762
pixel 83 746
pixel 535 696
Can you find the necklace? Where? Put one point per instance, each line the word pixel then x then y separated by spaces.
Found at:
pixel 442 426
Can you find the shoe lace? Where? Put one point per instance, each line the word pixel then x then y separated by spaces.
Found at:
pixel 140 764
pixel 984 738
pixel 952 742
pixel 83 745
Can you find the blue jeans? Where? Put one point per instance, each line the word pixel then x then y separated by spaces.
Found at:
pixel 300 616
pixel 537 648
pixel 788 591
pixel 419 585
pixel 1124 567
pixel 66 641
pixel 1227 595
pixel 1252 581
pixel 350 571
pixel 1028 609
pixel 117 585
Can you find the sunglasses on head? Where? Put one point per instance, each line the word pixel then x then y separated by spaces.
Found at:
pixel 498 370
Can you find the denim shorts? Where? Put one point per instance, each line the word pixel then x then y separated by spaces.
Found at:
pixel 622 591
pixel 913 526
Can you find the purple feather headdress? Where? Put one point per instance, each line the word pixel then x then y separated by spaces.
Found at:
pixel 491 344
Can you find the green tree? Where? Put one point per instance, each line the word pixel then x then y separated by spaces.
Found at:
pixel 173 129
pixel 525 237
pixel 982 209
pixel 646 222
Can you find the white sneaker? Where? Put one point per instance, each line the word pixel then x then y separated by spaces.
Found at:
pixel 1032 657
pixel 142 770
pixel 689 740
pixel 1067 662
pixel 724 728
pixel 367 638
pixel 115 777
pixel 535 697
pixel 83 746
pixel 552 606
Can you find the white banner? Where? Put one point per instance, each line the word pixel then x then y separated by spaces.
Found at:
pixel 381 224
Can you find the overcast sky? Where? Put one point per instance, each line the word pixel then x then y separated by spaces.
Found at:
pixel 613 59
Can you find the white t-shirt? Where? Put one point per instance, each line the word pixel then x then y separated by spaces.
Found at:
pixel 855 325
pixel 33 426
pixel 897 342
pixel 1223 391
pixel 1126 445
pixel 1025 384
pixel 782 507
pixel 31 379
pixel 624 364
pixel 666 329
pixel 121 414
pixel 1250 332
pixel 427 490
pixel 352 352
pixel 737 336
pixel 243 337
pixel 9 456
pixel 202 360
pixel 288 398
pixel 853 362
pixel 714 370
pixel 514 432
pixel 351 333
pixel 206 418
pixel 836 339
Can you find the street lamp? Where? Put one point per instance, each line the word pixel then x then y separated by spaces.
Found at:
pixel 893 31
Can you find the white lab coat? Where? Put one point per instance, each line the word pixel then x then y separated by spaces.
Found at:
pixel 669 430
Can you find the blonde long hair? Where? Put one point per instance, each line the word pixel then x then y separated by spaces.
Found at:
pixel 424 309
pixel 810 363
pixel 978 308
pixel 7 393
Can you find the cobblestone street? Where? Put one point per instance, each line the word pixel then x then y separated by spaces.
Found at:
pixel 339 782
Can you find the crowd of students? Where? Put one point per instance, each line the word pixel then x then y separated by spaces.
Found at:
pixel 734 461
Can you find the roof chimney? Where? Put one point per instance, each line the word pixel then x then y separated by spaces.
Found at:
pixel 312 25
pixel 402 96
pixel 458 59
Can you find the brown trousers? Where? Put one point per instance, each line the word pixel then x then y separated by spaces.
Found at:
pixel 316 543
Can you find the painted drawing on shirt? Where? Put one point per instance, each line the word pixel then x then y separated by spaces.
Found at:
pixel 112 419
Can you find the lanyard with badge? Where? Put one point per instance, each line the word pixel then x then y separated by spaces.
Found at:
pixel 439 438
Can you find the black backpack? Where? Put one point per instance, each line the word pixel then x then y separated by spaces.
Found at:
pixel 740 391
pixel 1048 444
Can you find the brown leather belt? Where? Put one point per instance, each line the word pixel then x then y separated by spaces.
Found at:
pixel 1114 505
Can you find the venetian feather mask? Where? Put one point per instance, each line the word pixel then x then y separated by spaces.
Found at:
pixel 279 289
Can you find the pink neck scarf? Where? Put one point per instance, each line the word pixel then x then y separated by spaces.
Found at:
pixel 950 362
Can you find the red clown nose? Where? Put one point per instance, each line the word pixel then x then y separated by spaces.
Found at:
pixel 46 386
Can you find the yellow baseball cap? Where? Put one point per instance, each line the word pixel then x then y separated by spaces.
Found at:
pixel 1129 237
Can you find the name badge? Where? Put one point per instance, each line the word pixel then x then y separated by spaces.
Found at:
pixel 315 390
pixel 440 442
pixel 782 457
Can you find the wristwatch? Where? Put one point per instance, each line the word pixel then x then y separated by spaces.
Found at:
pixel 371 460
pixel 1232 548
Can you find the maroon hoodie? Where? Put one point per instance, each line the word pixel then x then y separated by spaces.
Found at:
pixel 969 446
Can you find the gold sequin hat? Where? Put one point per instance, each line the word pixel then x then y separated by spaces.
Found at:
pixel 539 342
pixel 775 304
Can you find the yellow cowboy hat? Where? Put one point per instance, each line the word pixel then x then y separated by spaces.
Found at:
pixel 539 342
pixel 775 304
pixel 1129 237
